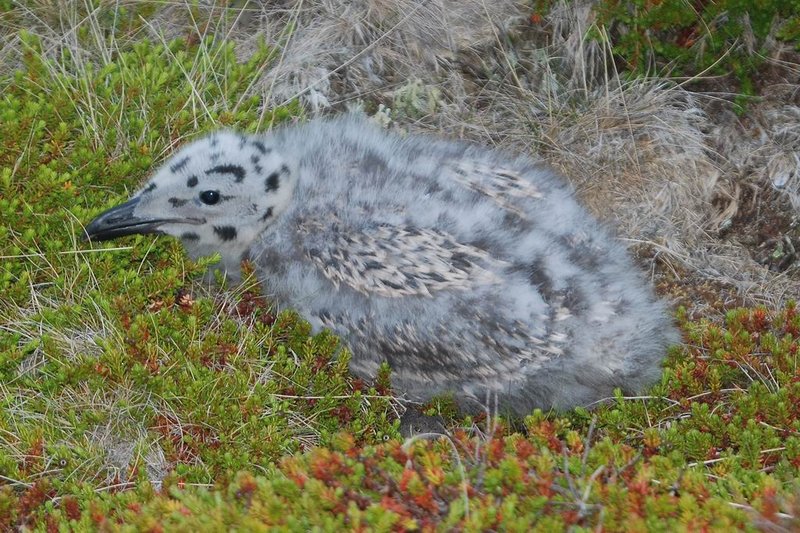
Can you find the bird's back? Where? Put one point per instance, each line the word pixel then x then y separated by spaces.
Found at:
pixel 467 269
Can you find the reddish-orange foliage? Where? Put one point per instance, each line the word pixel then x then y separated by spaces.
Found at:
pixel 32 460
pixel 71 508
pixel 32 498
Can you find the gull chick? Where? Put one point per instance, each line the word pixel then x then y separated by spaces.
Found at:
pixel 469 270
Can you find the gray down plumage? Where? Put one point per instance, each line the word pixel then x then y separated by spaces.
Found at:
pixel 469 270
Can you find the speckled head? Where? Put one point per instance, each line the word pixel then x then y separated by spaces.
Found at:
pixel 216 195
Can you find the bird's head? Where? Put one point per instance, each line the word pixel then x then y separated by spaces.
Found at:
pixel 216 194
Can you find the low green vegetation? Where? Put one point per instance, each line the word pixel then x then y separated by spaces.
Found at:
pixel 716 445
pixel 683 38
pixel 114 365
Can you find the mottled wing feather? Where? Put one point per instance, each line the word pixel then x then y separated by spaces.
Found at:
pixel 394 262
pixel 500 184
pixel 484 358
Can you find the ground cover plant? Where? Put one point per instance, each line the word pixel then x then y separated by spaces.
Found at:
pixel 713 37
pixel 134 396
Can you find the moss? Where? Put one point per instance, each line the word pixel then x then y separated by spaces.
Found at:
pixel 116 366
pixel 507 483
pixel 713 446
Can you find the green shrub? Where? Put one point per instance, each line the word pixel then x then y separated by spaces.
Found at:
pixel 685 38
pixel 110 358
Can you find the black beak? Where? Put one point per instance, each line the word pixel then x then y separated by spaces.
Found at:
pixel 120 221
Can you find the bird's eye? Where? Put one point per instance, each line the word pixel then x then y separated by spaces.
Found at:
pixel 209 197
